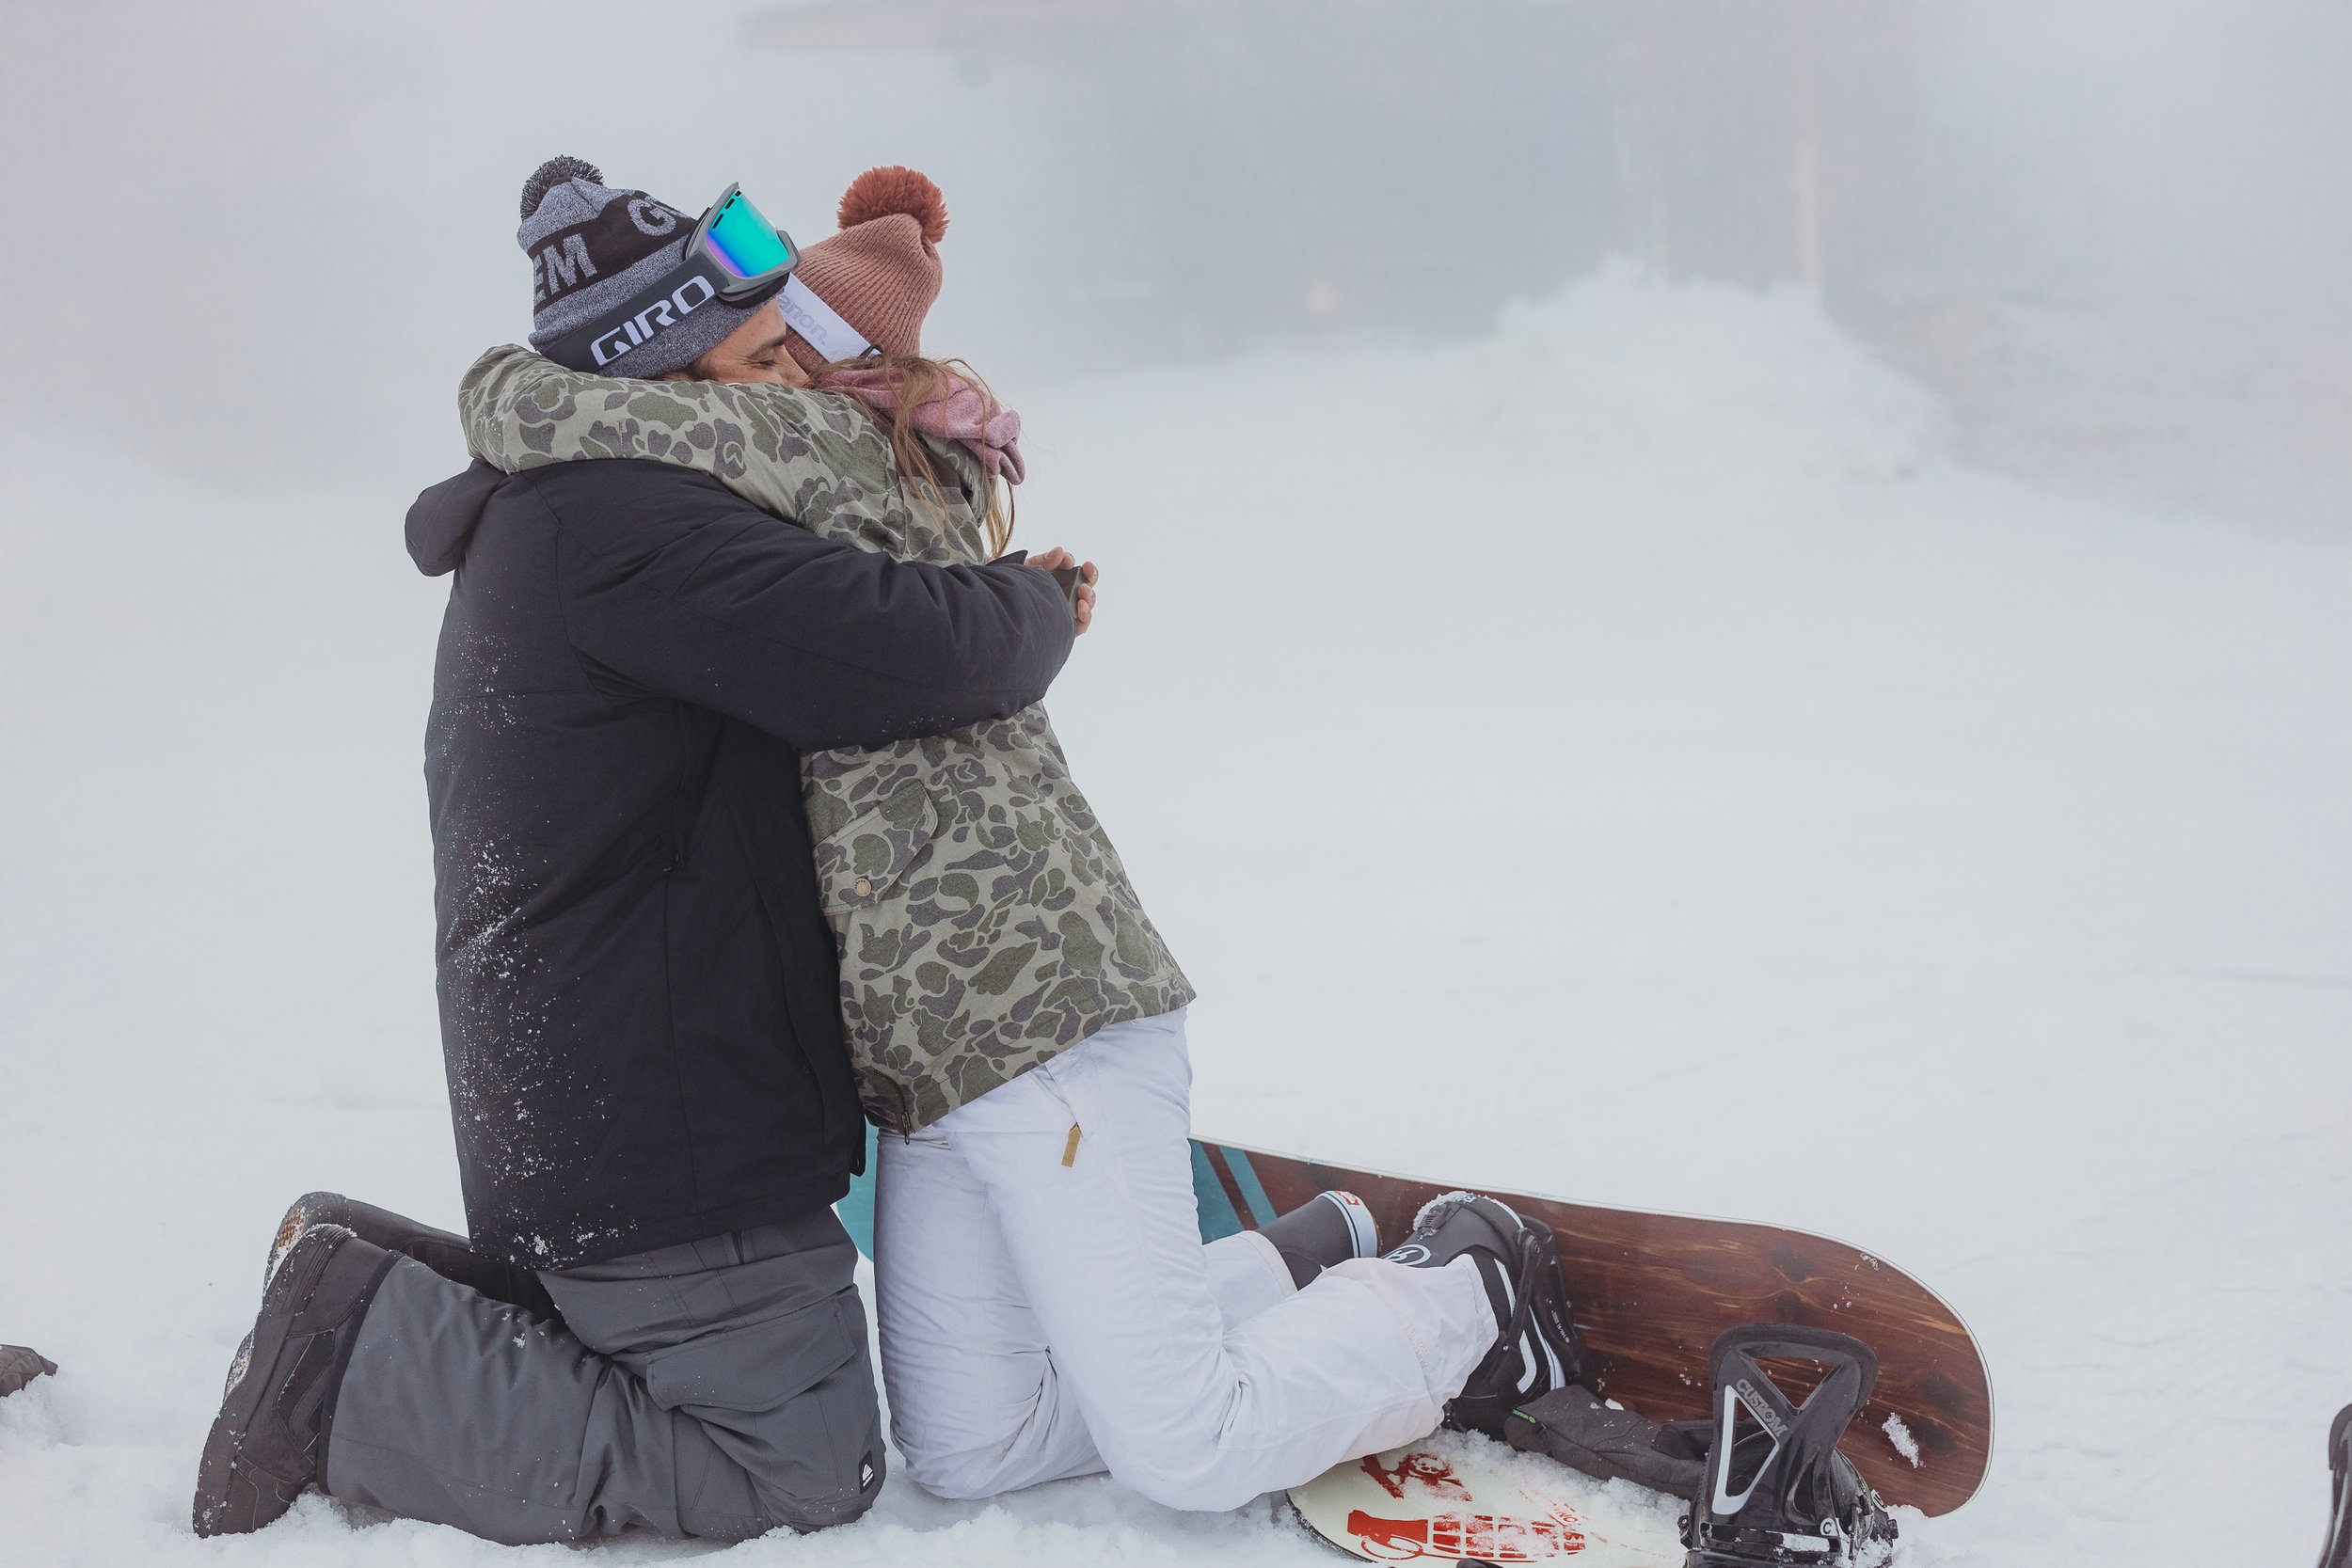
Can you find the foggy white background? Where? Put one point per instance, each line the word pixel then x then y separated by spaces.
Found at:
pixel 2098 224
pixel 1662 561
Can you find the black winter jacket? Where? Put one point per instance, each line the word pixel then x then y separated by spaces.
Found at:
pixel 640 1002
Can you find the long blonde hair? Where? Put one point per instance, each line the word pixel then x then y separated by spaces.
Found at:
pixel 919 381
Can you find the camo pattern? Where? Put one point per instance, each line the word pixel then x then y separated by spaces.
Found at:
pixel 983 921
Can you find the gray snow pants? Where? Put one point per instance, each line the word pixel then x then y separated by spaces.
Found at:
pixel 719 1389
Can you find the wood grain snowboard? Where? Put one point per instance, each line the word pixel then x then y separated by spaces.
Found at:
pixel 1649 1293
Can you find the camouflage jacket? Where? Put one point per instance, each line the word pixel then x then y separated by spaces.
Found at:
pixel 983 921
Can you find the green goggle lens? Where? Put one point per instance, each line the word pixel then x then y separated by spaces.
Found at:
pixel 744 242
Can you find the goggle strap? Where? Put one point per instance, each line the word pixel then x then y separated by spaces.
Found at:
pixel 819 325
pixel 662 303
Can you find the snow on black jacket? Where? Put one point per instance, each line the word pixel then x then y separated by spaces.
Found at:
pixel 639 998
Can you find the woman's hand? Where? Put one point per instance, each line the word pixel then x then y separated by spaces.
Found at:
pixel 1058 559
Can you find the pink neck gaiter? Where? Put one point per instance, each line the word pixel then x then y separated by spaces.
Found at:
pixel 992 431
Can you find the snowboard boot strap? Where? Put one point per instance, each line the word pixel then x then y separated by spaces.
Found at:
pixel 1775 1492
pixel 1575 1427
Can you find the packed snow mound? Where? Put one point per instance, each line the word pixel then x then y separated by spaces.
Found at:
pixel 1627 370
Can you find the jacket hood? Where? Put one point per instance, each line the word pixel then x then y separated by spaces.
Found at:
pixel 445 517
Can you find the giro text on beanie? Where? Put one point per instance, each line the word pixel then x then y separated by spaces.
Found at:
pixel 595 249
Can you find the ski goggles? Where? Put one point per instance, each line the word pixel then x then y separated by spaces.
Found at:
pixel 754 254
pixel 734 256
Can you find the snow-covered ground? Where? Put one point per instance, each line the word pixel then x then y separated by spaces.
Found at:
pixel 1628 756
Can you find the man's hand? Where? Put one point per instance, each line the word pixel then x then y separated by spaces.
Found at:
pixel 1047 561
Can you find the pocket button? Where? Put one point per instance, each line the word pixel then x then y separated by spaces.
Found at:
pixel 863 887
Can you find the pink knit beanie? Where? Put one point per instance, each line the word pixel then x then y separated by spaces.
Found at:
pixel 880 272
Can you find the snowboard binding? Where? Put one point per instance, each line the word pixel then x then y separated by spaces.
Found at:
pixel 1776 1492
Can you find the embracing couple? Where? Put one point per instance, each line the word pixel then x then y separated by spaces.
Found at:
pixel 749 830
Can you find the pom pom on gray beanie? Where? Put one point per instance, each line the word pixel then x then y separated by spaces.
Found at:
pixel 593 246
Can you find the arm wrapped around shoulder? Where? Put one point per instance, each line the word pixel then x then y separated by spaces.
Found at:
pixel 678 585
pixel 798 455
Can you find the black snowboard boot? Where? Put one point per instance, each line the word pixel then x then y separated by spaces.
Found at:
pixel 1536 1351
pixel 1327 1228
pixel 19 1366
pixel 1776 1492
pixel 449 1256
pixel 268 1442
pixel 2338 1552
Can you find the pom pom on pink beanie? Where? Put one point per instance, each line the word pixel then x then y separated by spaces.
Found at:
pixel 880 272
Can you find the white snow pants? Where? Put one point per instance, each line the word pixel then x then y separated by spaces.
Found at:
pixel 1048 1308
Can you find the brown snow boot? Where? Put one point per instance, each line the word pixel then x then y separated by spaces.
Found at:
pixel 269 1443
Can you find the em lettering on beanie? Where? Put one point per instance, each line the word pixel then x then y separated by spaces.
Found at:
pixel 880 272
pixel 592 246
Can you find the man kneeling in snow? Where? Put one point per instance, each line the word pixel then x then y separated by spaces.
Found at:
pixel 638 994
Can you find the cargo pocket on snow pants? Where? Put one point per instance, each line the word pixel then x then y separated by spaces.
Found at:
pixel 790 1400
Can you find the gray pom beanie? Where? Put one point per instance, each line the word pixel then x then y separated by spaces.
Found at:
pixel 592 248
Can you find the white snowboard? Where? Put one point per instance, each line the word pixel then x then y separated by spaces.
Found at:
pixel 1471 1500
